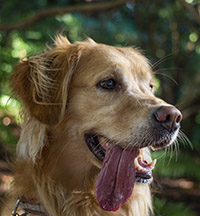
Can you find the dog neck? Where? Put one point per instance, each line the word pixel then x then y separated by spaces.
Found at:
pixel 72 168
pixel 59 181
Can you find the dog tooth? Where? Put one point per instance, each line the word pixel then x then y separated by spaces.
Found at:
pixel 150 166
pixel 138 169
pixel 153 163
pixel 138 166
pixel 144 169
pixel 136 163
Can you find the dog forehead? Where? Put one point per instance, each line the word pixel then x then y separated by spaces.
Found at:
pixel 140 67
pixel 126 61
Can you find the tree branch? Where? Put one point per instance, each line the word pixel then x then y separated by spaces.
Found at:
pixel 192 10
pixel 43 14
pixel 191 110
pixel 178 190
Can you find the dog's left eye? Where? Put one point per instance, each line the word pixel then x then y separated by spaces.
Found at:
pixel 151 86
pixel 109 84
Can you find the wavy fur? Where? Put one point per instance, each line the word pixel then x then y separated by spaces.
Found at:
pixel 58 89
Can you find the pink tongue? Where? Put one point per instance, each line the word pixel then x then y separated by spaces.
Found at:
pixel 115 182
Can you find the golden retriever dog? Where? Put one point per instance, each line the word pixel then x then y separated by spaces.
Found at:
pixel 90 117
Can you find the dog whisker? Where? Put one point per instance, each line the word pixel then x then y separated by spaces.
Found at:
pixel 166 75
pixel 160 61
pixel 184 139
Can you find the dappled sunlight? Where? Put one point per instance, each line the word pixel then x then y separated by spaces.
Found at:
pixel 5 182
pixel 10 105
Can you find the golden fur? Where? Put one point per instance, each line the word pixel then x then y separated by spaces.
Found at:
pixel 58 89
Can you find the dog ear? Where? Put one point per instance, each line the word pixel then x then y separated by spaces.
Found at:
pixel 42 82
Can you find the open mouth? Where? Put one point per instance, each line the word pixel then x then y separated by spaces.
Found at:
pixel 120 170
pixel 98 146
pixel 93 143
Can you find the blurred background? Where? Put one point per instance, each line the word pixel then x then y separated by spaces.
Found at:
pixel 168 33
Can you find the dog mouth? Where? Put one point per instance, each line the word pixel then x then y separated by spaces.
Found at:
pixel 94 144
pixel 120 170
pixel 143 170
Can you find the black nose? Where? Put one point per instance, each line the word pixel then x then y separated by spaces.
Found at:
pixel 169 117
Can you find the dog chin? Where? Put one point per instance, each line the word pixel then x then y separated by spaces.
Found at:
pixel 165 141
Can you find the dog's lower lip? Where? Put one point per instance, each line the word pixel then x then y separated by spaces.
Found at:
pixel 160 144
pixel 163 138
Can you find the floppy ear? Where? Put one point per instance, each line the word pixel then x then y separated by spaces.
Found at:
pixel 42 82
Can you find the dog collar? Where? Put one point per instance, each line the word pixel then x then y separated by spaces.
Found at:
pixel 29 206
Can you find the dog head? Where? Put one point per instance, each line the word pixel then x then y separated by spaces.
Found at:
pixel 101 98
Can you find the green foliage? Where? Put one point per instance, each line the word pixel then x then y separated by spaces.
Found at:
pixel 164 208
pixel 177 164
pixel 9 131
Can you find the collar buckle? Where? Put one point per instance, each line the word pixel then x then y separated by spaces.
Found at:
pixel 28 207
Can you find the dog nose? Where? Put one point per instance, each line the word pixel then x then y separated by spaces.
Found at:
pixel 169 117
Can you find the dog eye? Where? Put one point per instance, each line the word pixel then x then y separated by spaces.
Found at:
pixel 151 86
pixel 109 84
